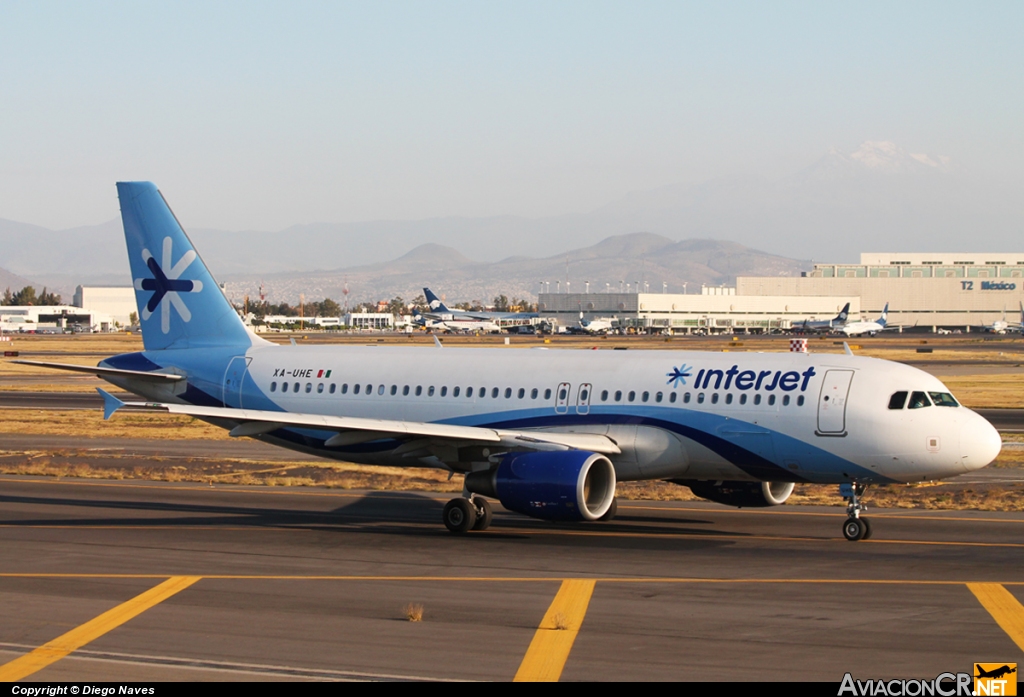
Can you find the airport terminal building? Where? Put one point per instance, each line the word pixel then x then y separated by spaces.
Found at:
pixel 961 290
pixel 715 309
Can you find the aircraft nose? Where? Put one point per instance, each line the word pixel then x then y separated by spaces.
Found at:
pixel 980 443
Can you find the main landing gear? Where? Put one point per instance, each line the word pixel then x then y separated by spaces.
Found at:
pixel 464 514
pixel 855 528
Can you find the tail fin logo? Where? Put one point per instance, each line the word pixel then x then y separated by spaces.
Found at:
pixel 167 284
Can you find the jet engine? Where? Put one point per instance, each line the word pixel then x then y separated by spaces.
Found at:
pixel 562 485
pixel 740 494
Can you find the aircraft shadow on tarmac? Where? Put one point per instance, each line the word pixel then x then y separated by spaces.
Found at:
pixel 382 512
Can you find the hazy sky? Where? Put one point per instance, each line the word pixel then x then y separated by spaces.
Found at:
pixel 262 115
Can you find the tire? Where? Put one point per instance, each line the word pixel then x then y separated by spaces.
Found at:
pixel 459 516
pixel 853 529
pixel 612 510
pixel 867 528
pixel 483 513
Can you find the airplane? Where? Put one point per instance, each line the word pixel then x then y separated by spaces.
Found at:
pixel 1001 326
pixel 438 310
pixel 467 325
pixel 824 325
pixel 548 433
pixel 870 327
pixel 597 325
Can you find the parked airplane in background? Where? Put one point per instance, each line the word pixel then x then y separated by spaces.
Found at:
pixel 462 324
pixel 872 327
pixel 1002 326
pixel 438 310
pixel 548 433
pixel 824 325
pixel 597 325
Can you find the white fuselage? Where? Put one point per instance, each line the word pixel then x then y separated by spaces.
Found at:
pixel 750 416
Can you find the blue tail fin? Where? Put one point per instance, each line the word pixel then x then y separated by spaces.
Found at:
pixel 843 314
pixel 434 302
pixel 885 312
pixel 180 305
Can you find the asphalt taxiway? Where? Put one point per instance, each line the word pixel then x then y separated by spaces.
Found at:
pixel 103 580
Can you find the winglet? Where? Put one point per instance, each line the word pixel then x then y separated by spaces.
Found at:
pixel 846 349
pixel 437 342
pixel 110 403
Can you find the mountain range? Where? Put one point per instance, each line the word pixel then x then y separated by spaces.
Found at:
pixel 878 197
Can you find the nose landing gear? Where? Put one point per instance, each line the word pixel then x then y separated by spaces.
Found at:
pixel 855 528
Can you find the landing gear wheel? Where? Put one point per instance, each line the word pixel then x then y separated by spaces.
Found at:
pixel 459 515
pixel 867 528
pixel 854 529
pixel 483 513
pixel 612 510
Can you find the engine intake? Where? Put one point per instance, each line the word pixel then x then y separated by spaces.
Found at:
pixel 565 485
pixel 740 494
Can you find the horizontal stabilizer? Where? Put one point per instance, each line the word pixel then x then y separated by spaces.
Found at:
pixel 112 372
pixel 110 403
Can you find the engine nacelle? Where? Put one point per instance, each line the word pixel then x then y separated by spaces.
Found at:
pixel 562 485
pixel 740 494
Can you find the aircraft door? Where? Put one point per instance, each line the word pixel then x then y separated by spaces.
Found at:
pixel 832 403
pixel 583 398
pixel 562 398
pixel 233 378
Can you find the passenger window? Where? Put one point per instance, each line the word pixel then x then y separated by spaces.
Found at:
pixel 686 398
pixel 785 400
pixel 273 387
pixel 672 398
pixel 700 398
pixel 943 399
pixel 405 391
pixel 658 397
pixel 430 391
pixel 645 396
pixel 898 400
pixel 319 388
pixel 508 392
pixel 618 395
pixel 534 393
pixel 757 399
pixel 522 393
pixel 380 390
pixel 309 387
pixel 494 393
pixel 469 392
pixel 455 391
pixel 284 386
pixel 333 387
pixel 604 395
pixel 743 398
pixel 632 396
pixel 444 391
pixel 483 391
pixel 714 398
pixel 561 394
pixel 771 400
pixel 369 389
pixel 800 401
pixel 419 390
pixel 919 400
pixel 344 388
pixel 394 390
pixel 547 393
pixel 295 387
pixel 728 398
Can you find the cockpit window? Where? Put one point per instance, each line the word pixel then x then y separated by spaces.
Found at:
pixel 919 400
pixel 898 400
pixel 943 399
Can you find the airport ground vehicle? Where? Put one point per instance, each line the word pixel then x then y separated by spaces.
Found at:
pixel 548 433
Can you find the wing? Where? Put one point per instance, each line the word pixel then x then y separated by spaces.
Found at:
pixel 350 430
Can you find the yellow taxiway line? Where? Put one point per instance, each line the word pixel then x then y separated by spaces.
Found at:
pixel 1005 609
pixel 554 638
pixel 53 651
